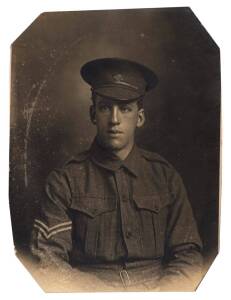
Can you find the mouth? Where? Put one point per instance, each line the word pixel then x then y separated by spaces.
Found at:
pixel 114 132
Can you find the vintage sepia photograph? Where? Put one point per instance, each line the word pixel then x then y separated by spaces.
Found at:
pixel 115 150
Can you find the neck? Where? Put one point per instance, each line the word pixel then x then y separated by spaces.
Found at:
pixel 123 153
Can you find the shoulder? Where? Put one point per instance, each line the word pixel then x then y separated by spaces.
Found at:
pixel 162 166
pixel 63 174
pixel 154 157
pixel 77 159
pixel 70 165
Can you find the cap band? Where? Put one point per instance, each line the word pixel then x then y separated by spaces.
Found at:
pixel 116 98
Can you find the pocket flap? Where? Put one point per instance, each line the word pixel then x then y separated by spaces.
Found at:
pixel 93 206
pixel 152 202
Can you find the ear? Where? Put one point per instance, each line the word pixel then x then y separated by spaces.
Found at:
pixel 92 114
pixel 141 118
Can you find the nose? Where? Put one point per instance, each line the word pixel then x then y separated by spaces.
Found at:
pixel 115 118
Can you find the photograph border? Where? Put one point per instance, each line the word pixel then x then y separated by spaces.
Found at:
pixel 212 283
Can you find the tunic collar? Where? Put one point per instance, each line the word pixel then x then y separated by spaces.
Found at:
pixel 111 162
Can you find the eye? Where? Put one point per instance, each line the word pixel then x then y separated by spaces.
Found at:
pixel 125 108
pixel 103 107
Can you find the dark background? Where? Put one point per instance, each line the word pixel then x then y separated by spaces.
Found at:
pixel 50 102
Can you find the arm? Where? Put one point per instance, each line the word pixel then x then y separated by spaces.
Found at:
pixel 51 241
pixel 183 259
pixel 51 236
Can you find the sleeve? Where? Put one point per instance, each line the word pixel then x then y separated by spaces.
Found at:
pixel 51 235
pixel 183 258
pixel 51 241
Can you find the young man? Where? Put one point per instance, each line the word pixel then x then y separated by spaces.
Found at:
pixel 116 216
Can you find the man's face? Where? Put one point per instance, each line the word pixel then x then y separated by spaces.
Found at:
pixel 116 122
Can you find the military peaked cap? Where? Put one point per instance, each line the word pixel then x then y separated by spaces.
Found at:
pixel 118 79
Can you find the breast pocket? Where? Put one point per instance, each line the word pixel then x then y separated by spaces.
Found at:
pixel 153 211
pixel 88 214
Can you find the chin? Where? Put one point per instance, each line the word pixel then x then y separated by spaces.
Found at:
pixel 114 145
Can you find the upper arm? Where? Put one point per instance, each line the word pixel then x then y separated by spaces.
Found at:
pixel 182 228
pixel 51 236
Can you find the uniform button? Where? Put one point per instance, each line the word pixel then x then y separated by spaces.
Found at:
pixel 156 208
pixel 128 233
pixel 95 210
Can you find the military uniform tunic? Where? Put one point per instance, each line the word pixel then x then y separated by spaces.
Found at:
pixel 99 212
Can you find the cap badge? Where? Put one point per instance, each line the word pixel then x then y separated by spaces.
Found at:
pixel 118 77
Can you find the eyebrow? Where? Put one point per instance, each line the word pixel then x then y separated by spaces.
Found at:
pixel 123 104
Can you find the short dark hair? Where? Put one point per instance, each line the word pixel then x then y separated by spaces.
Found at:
pixel 139 101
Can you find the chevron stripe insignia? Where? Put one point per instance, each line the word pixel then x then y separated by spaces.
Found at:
pixel 48 232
